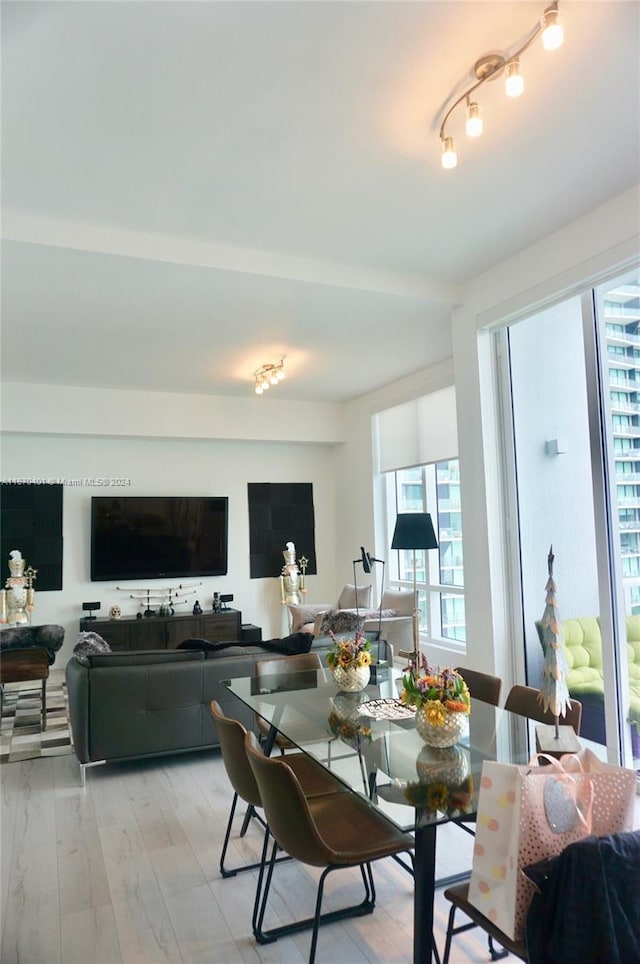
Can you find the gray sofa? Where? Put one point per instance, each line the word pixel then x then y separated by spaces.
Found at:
pixel 125 706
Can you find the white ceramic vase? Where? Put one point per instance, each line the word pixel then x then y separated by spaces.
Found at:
pixel 440 734
pixel 352 679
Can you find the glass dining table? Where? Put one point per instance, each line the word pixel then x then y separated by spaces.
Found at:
pixel 368 740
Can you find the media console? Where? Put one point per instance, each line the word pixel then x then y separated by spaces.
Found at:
pixel 166 632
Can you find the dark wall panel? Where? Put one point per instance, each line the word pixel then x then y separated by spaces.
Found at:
pixel 280 512
pixel 31 521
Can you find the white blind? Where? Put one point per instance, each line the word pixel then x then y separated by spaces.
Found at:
pixel 418 432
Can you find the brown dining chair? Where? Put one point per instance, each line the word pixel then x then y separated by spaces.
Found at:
pixel 482 686
pixel 523 700
pixel 278 671
pixel 330 832
pixel 459 899
pixel 231 734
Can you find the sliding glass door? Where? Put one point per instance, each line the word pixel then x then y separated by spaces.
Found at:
pixel 575 404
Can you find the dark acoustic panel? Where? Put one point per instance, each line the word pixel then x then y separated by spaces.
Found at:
pixel 280 512
pixel 32 523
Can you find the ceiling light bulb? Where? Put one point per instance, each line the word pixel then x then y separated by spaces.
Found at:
pixel 552 33
pixel 514 84
pixel 273 378
pixel 449 157
pixel 280 373
pixel 258 388
pixel 474 124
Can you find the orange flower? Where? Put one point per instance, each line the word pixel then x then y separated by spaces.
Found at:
pixel 456 706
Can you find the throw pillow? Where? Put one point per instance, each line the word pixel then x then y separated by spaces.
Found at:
pixel 89 644
pixel 337 621
pixel 402 602
pixel 302 615
pixel 318 621
pixel 348 600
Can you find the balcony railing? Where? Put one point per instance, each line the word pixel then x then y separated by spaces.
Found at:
pixel 618 406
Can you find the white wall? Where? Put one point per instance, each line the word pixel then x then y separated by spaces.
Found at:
pixel 175 467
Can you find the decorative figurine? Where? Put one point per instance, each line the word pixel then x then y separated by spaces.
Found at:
pixel 197 610
pixel 216 602
pixel 292 587
pixel 18 598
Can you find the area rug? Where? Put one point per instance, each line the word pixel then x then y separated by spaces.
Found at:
pixel 21 733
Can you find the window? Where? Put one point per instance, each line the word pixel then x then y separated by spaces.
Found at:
pixel 433 488
pixel 586 506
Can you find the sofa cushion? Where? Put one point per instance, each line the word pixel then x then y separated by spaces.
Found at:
pixel 305 615
pixel 583 650
pixel 347 598
pixel 144 657
pixel 379 614
pixel 402 602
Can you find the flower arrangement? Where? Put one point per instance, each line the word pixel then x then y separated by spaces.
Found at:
pixel 440 797
pixel 438 692
pixel 349 653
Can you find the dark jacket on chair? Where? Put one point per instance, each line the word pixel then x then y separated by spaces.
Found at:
pixel 588 907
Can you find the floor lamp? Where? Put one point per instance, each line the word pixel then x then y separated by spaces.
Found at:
pixel 367 562
pixel 414 530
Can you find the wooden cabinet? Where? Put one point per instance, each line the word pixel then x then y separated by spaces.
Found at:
pixel 166 632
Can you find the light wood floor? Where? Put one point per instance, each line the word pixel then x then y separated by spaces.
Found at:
pixel 127 871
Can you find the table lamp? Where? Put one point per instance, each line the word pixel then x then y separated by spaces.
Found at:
pixel 414 530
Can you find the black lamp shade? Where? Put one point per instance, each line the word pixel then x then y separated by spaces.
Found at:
pixel 414 530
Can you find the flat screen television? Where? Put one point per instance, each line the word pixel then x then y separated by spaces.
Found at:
pixel 158 537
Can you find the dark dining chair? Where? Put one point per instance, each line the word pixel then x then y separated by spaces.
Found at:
pixel 482 686
pixel 459 899
pixel 313 778
pixel 280 671
pixel 524 701
pixel 567 920
pixel 331 832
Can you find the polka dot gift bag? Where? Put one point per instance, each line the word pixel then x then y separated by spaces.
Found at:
pixel 525 814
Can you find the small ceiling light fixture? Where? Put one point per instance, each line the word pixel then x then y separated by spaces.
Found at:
pixel 487 68
pixel 514 83
pixel 474 125
pixel 268 375
pixel 449 156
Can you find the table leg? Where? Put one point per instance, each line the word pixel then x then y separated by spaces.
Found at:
pixel 425 874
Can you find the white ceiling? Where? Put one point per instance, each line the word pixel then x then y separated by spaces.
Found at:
pixel 192 189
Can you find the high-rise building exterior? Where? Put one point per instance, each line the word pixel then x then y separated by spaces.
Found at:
pixel 622 326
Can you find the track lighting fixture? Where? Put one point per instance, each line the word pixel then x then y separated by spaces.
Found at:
pixel 487 68
pixel 268 375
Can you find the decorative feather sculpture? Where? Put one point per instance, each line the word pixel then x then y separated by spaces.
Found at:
pixel 554 695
